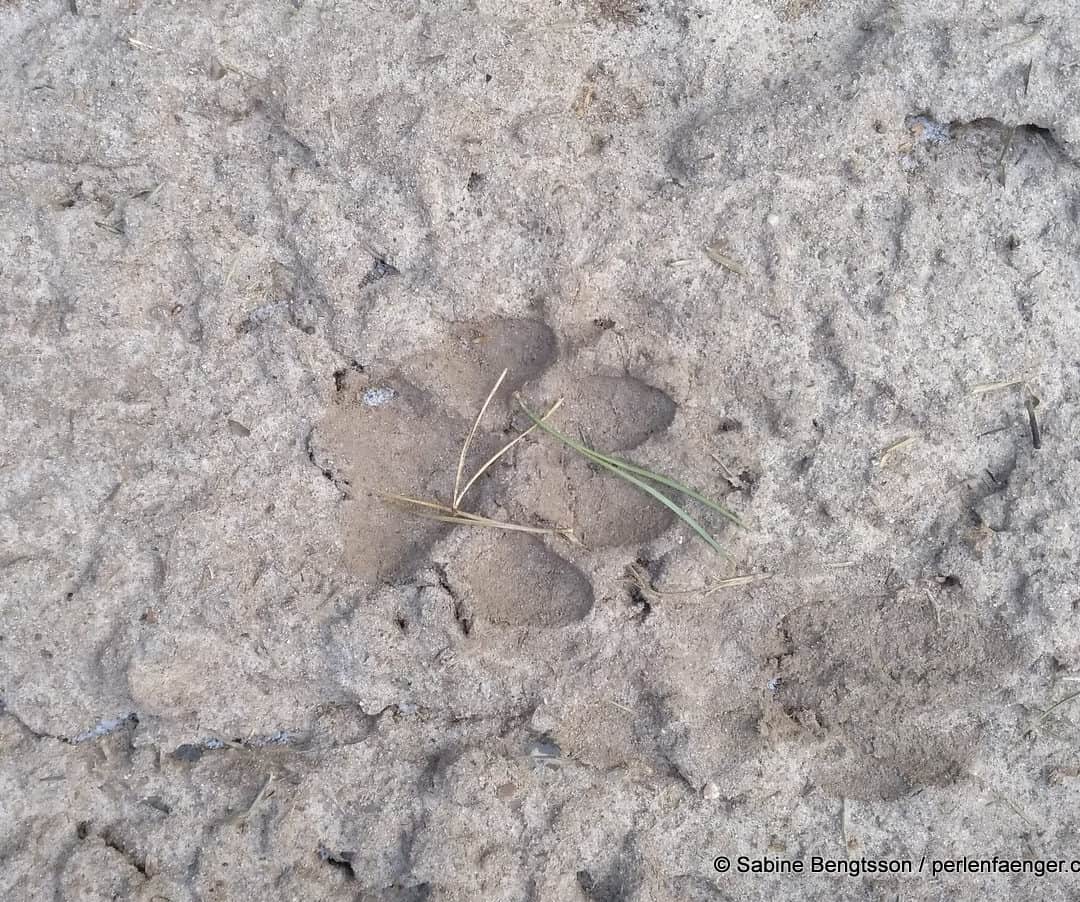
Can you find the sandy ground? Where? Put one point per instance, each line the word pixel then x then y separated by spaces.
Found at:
pixel 259 258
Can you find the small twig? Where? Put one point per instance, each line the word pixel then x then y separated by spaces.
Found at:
pixel 452 513
pixel 241 816
pixel 229 275
pixel 714 253
pixel 730 582
pixel 638 576
pixel 502 451
pixel 1019 812
pixel 1030 403
pixel 1056 705
pixel 887 454
pixel 1033 422
pixel 734 481
pixel 984 388
pixel 143 46
pixel 445 514
pixel 584 101
pixel 933 605
pixel 469 438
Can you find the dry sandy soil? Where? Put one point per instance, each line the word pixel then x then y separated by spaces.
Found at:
pixel 259 257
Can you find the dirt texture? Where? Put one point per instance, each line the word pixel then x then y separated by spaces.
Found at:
pixel 261 261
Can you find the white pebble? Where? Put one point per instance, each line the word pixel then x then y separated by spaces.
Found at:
pixel 376 397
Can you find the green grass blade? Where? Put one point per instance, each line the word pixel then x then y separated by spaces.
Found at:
pixel 609 465
pixel 638 471
pixel 672 484
pixel 663 499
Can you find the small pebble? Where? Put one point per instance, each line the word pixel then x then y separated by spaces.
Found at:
pixel 376 397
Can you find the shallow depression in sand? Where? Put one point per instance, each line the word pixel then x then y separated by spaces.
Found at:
pixel 516 580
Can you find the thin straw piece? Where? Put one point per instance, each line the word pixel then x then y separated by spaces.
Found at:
pixel 469 438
